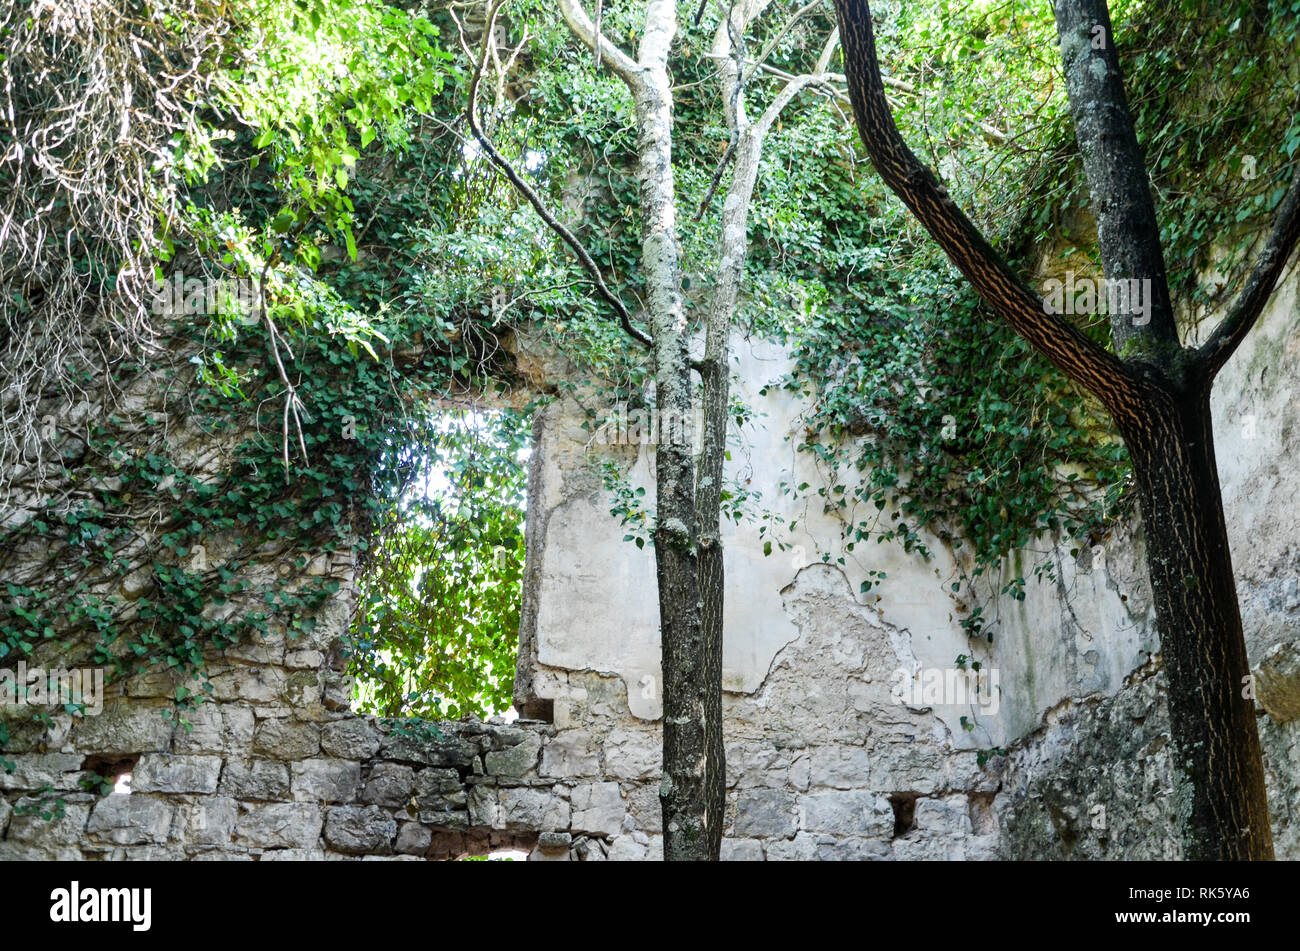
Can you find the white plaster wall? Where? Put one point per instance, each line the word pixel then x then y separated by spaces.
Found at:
pixel 597 597
pixel 806 655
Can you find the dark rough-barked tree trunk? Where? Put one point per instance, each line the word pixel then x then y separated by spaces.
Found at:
pixel 1157 391
pixel 748 135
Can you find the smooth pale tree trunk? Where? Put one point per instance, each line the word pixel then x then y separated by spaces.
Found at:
pixel 684 655
pixel 685 681
pixel 748 138
pixel 689 563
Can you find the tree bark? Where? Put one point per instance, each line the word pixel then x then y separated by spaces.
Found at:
pixel 1219 802
pixel 685 683
pixel 1158 396
pixel 683 651
pixel 748 138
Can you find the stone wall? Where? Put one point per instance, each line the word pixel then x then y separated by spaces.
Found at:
pixel 822 762
pixel 817 749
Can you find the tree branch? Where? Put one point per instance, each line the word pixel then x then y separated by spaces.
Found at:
pixel 521 186
pixel 1127 231
pixel 622 64
pixel 1062 344
pixel 1232 330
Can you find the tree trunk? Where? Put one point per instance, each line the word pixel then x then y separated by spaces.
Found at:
pixel 683 651
pixel 682 790
pixel 712 580
pixel 1158 395
pixel 1219 803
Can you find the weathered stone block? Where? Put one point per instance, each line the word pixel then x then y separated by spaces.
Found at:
pixel 209 822
pixel 644 808
pixel 355 830
pixel 854 850
pixel 163 772
pixel 450 751
pixel 349 739
pixel 570 755
pixel 280 825
pixel 633 754
pixel 389 785
pixel 554 841
pixel 259 684
pixel 950 815
pixel 433 785
pixel 520 808
pixel 33 771
pixel 125 728
pixel 153 683
pixel 921 846
pixel 305 659
pixel 26 825
pixel 802 848
pixel 741 850
pixel 263 652
pixel 636 847
pixel 848 813
pixel 326 780
pixel 484 808
pixel 215 728
pixel 597 807
pixel 751 763
pixel 506 736
pixel 302 689
pixel 514 760
pixel 448 818
pixel 287 739
pixel 587 849
pixel 255 779
pixel 765 813
pixel 338 690
pixel 130 820
pixel 904 768
pixel 413 838
pixel 840 767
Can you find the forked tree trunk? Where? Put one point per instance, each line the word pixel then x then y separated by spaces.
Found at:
pixel 1158 394
pixel 1219 802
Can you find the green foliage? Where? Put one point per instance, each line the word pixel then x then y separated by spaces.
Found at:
pixel 416 728
pixel 437 630
pixel 929 413
pixel 326 162
pixel 269 178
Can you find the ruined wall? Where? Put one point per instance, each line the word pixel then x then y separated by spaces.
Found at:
pixel 1103 755
pixel 822 762
pixel 817 749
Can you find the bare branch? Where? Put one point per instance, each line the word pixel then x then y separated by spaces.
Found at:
pixel 622 64
pixel 1245 311
pixel 521 186
pixel 798 84
pixel 1064 345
